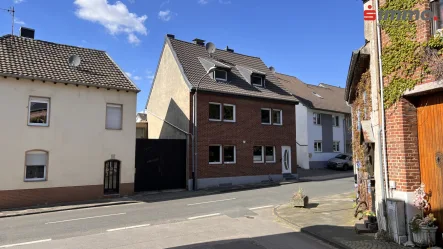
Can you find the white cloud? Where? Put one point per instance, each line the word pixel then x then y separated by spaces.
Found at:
pixel 19 22
pixel 116 18
pixel 149 75
pixel 137 77
pixel 131 1
pixel 128 74
pixel 164 3
pixel 203 1
pixel 133 39
pixel 18 1
pixel 165 15
pixel 224 1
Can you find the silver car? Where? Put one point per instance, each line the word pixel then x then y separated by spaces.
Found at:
pixel 341 161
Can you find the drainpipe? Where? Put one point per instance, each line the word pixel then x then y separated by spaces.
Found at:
pixel 194 138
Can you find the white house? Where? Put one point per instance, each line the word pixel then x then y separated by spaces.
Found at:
pixel 322 122
pixel 68 130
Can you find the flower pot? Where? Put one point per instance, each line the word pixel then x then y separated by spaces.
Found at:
pixel 302 202
pixel 372 219
pixel 425 236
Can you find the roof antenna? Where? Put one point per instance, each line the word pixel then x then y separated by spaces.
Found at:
pixel 12 12
pixel 210 47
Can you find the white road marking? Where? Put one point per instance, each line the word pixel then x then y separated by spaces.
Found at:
pixel 199 203
pixel 255 208
pixel 203 216
pixel 124 228
pixel 85 218
pixel 26 243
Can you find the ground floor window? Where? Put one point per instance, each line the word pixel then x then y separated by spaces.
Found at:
pixel 258 154
pixel 318 146
pixel 270 154
pixel 215 152
pixel 229 154
pixel 36 164
pixel 336 146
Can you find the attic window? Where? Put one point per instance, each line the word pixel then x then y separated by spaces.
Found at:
pixel 220 75
pixel 257 80
pixel 317 95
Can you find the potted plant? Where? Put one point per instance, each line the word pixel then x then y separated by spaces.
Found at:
pixel 299 199
pixel 423 227
pixel 372 217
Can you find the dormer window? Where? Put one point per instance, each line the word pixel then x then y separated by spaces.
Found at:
pixel 257 80
pixel 220 75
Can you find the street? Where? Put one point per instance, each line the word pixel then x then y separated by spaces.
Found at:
pixel 242 219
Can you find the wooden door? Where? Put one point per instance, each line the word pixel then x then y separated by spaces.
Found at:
pixel 430 140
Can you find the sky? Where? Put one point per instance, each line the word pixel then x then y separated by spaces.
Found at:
pixel 312 40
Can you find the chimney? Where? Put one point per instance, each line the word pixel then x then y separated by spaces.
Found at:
pixel 229 49
pixel 27 32
pixel 199 41
pixel 171 36
pixel 272 69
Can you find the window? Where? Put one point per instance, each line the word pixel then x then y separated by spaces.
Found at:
pixel 140 133
pixel 266 116
pixel 317 118
pixel 270 154
pixel 228 113
pixel 258 154
pixel 36 164
pixel 437 9
pixel 336 146
pixel 114 116
pixel 336 121
pixel 317 146
pixel 229 154
pixel 38 114
pixel 221 75
pixel 257 80
pixel 277 117
pixel 215 111
pixel 215 152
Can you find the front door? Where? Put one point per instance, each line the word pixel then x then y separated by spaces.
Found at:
pixel 286 159
pixel 111 177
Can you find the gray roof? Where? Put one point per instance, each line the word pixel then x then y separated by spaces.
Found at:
pixel 41 60
pixel 142 116
pixel 330 98
pixel 190 57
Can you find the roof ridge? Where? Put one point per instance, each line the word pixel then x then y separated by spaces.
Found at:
pixel 216 48
pixel 59 44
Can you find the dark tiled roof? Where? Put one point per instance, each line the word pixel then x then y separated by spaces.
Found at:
pixel 188 55
pixel 331 96
pixel 35 59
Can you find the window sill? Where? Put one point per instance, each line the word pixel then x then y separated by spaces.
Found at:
pixel 109 129
pixel 318 151
pixel 259 162
pixel 230 163
pixel 38 125
pixel 229 121
pixel 215 120
pixel 277 124
pixel 215 163
pixel 266 123
pixel 36 180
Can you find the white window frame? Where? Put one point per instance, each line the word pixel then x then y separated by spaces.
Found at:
pixel 233 112
pixel 121 116
pixel 317 117
pixel 262 154
pixel 221 79
pixel 256 76
pixel 45 168
pixel 235 154
pixel 281 116
pixel 270 115
pixel 316 147
pixel 334 145
pixel 273 150
pixel 221 153
pixel 220 109
pixel 39 100
pixel 335 122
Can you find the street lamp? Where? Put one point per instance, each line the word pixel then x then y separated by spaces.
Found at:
pixel 194 137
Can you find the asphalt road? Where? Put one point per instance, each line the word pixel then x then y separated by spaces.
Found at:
pixel 88 222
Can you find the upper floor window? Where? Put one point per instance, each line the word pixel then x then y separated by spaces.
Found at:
pixel 277 117
pixel 266 116
pixel 38 114
pixel 220 75
pixel 228 113
pixel 215 112
pixel 336 121
pixel 317 118
pixel 271 116
pixel 114 116
pixel 437 9
pixel 257 80
pixel 36 164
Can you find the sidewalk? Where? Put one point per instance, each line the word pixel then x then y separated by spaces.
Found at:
pixel 331 219
pixel 307 175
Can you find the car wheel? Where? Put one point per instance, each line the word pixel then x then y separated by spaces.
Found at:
pixel 345 167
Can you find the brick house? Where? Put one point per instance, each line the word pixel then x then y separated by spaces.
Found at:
pixel 412 119
pixel 70 131
pixel 245 119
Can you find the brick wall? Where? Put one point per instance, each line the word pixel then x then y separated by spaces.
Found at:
pixel 246 132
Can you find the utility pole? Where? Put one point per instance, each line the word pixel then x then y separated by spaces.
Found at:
pixel 12 12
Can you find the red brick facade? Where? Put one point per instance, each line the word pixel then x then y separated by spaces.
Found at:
pixel 245 133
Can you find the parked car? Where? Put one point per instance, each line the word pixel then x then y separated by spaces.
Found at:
pixel 341 161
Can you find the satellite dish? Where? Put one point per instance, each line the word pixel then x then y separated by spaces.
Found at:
pixel 210 47
pixel 74 60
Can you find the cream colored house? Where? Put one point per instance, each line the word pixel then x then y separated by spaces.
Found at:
pixel 69 134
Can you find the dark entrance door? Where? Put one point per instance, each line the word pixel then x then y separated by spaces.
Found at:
pixel 160 164
pixel 112 177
